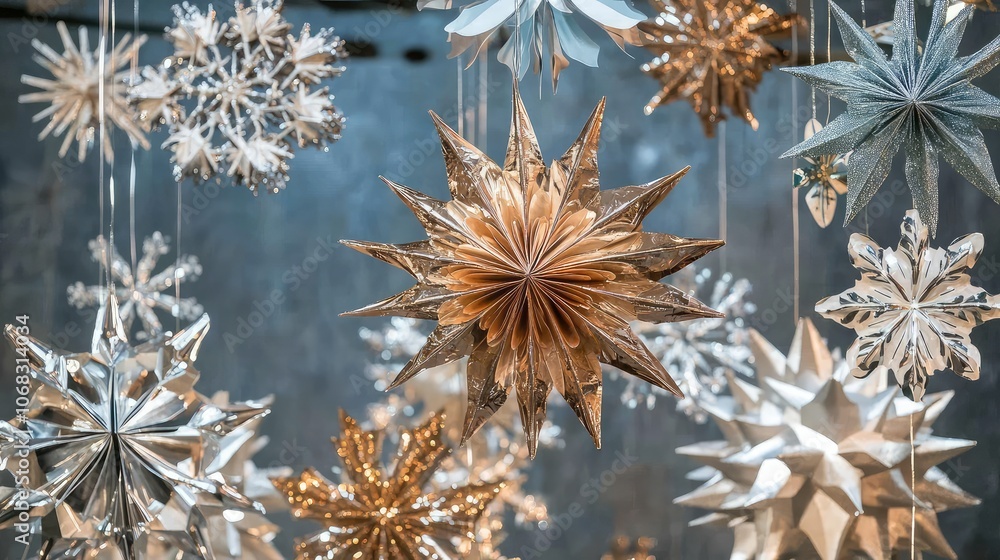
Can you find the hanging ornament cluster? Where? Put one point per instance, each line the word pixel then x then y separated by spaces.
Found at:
pixel 125 458
pixel 535 274
pixel 493 453
pixel 73 93
pixel 816 464
pixel 699 353
pixel 237 96
pixel 914 308
pixel 824 177
pixel 712 53
pixel 920 99
pixel 141 292
pixel 548 36
pixel 383 514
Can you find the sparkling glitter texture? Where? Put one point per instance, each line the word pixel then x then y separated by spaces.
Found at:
pixel 712 53
pixel 920 100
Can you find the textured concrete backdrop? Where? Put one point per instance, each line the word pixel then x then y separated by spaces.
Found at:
pixel 306 355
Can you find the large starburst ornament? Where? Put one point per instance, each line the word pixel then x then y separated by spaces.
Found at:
pixel 712 53
pixel 700 353
pixel 816 464
pixel 142 293
pixel 535 274
pixel 914 308
pixel 126 456
pixel 549 35
pixel 825 177
pixel 73 93
pixel 236 96
pixel 383 514
pixel 919 99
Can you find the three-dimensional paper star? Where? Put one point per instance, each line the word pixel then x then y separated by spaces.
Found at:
pixel 913 308
pixel 535 274
pixel 920 100
pixel 816 464
pixel 712 53
pixel 380 514
pixel 124 453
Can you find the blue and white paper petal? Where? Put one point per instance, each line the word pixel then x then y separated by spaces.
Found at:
pixel 549 34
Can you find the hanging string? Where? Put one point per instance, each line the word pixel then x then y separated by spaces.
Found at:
pixel 461 102
pixel 913 495
pixel 484 79
pixel 829 54
pixel 105 156
pixel 723 192
pixel 795 196
pixel 864 15
pixel 133 72
pixel 812 49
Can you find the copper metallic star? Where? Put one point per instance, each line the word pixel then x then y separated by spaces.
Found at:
pixel 535 274
pixel 386 514
pixel 712 53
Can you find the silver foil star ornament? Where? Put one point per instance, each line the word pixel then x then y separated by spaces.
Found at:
pixel 816 464
pixel 124 453
pixel 914 307
pixel 919 100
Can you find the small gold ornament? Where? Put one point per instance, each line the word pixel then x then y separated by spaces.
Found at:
pixel 712 53
pixel 385 514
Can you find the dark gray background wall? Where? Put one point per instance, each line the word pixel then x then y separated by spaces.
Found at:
pixel 306 355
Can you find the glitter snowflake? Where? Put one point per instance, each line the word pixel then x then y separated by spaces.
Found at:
pixel 494 453
pixel 702 352
pixel 142 292
pixel 73 93
pixel 237 95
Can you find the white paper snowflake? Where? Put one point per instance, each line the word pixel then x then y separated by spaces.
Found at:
pixel 73 93
pixel 699 354
pixel 143 292
pixel 236 95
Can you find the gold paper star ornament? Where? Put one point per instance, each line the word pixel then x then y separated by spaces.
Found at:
pixel 387 514
pixel 535 273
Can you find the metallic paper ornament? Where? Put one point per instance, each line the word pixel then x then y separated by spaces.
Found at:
pixel 913 308
pixel 141 292
pixel 126 457
pixel 825 177
pixel 493 453
pixel 535 274
pixel 384 514
pixel 712 53
pixel 700 353
pixel 816 464
pixel 236 95
pixel 73 92
pixel 549 35
pixel 623 548
pixel 920 100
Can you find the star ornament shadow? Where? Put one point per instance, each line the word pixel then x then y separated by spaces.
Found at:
pixel 919 100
